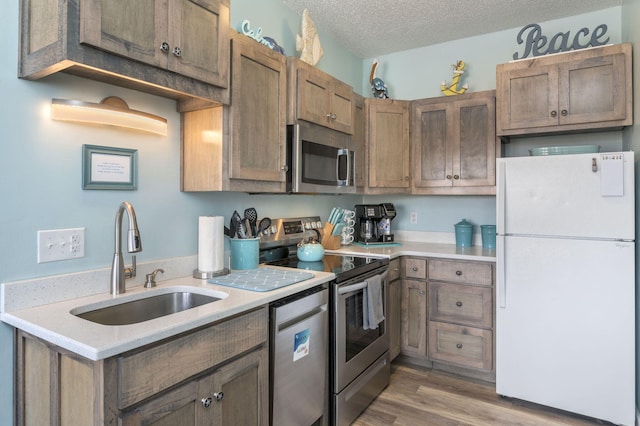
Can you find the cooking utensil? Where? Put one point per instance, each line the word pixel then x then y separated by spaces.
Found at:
pixel 264 224
pixel 248 228
pixel 251 215
pixel 236 224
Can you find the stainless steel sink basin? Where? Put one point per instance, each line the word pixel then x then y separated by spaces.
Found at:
pixel 147 308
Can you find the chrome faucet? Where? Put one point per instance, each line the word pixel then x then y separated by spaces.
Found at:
pixel 118 272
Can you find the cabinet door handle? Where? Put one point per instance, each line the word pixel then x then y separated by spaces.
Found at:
pixel 332 116
pixel 218 396
pixel 554 113
pixel 177 51
pixel 421 292
pixel 449 177
pixel 459 304
pixel 406 178
pixel 459 345
pixel 564 112
pixel 284 168
pixel 456 177
pixel 164 46
pixel 206 402
pixel 458 273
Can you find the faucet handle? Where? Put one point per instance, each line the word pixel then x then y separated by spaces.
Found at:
pixel 131 272
pixel 151 278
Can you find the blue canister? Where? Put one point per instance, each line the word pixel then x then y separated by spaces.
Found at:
pixel 245 253
pixel 488 236
pixel 464 233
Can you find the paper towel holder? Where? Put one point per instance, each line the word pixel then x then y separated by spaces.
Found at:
pixel 203 275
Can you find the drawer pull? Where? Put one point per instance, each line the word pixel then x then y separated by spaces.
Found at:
pixel 459 345
pixel 421 292
pixel 206 402
pixel 414 269
pixel 218 396
pixel 458 273
pixel 459 304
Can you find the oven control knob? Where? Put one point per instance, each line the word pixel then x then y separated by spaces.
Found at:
pixel 273 229
pixel 319 224
pixel 307 225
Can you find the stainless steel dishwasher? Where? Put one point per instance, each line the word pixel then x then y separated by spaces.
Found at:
pixel 299 347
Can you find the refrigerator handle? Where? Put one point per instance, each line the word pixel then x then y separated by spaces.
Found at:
pixel 500 199
pixel 500 272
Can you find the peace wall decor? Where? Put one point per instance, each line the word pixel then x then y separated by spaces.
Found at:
pixel 535 43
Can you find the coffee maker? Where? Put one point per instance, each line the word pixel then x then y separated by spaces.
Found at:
pixel 373 223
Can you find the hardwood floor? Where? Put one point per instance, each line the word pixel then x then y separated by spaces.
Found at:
pixel 419 396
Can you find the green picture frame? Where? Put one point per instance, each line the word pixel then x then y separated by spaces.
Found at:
pixel 106 167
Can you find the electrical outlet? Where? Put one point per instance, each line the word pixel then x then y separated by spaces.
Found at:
pixel 413 218
pixel 60 244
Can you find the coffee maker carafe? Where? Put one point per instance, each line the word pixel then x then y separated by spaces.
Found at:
pixel 373 223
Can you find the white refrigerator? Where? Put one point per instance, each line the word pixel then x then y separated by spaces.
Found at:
pixel 565 314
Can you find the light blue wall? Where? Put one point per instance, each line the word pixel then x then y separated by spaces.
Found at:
pixel 417 73
pixel 282 24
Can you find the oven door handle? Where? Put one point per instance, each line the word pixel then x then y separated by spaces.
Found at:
pixel 352 288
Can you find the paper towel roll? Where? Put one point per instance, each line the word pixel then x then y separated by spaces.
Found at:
pixel 210 243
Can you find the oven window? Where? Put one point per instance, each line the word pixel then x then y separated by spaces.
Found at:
pixel 357 338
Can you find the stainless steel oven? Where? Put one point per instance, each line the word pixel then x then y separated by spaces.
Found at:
pixel 360 357
pixel 319 160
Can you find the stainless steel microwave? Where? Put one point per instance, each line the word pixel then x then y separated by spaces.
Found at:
pixel 320 160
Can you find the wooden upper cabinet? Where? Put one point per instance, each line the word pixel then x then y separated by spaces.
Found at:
pixel 258 127
pixel 581 90
pixel 317 97
pixel 241 147
pixel 360 142
pixel 178 49
pixel 388 145
pixel 185 36
pixel 454 144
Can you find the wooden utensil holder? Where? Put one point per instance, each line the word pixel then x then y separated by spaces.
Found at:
pixel 329 242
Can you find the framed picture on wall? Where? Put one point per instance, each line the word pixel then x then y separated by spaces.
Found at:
pixel 105 167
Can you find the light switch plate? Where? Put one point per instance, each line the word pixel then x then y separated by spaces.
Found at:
pixel 60 244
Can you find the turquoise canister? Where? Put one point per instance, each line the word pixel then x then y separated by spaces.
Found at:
pixel 464 233
pixel 244 253
pixel 488 236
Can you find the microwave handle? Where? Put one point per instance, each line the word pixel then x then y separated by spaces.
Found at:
pixel 345 182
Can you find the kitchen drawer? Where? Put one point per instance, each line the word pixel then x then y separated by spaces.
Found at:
pixel 394 269
pixel 457 344
pixel 463 304
pixel 144 373
pixel 461 272
pixel 415 267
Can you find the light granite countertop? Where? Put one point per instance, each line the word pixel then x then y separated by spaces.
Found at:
pixel 24 307
pixel 54 323
pixel 424 249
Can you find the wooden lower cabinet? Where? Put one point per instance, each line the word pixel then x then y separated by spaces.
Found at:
pixel 394 309
pixel 448 315
pixel 229 396
pixel 216 375
pixel 414 321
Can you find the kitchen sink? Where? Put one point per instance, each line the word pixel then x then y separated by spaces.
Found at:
pixel 147 308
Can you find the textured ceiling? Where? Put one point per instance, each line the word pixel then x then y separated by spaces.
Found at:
pixel 369 28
